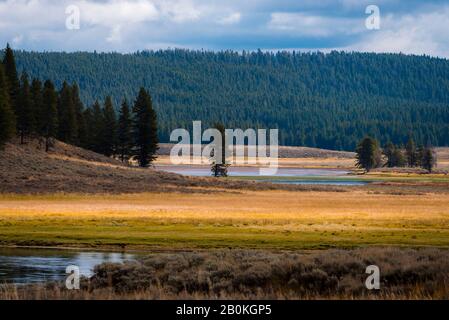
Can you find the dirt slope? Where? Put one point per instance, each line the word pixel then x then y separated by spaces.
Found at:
pixel 29 169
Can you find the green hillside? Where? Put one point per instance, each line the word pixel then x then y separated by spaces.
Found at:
pixel 317 100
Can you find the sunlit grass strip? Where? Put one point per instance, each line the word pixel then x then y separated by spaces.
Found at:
pixel 270 219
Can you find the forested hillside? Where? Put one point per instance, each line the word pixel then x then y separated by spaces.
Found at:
pixel 317 100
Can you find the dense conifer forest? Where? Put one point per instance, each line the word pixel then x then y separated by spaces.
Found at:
pixel 32 108
pixel 317 100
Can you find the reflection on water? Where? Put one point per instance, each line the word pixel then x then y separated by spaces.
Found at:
pixel 18 265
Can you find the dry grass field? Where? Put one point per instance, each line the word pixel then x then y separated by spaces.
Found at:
pixel 253 219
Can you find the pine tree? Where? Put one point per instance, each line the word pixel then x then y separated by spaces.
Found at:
pixel 110 124
pixel 79 110
pixel 7 118
pixel 97 127
pixel 145 129
pixel 25 112
pixel 410 151
pixel 394 155
pixel 10 70
pixel 428 160
pixel 36 99
pixel 389 151
pixel 220 169
pixel 68 126
pixel 124 133
pixel 368 154
pixel 399 158
pixel 87 142
pixel 49 124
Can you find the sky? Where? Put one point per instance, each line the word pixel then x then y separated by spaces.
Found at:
pixel 407 26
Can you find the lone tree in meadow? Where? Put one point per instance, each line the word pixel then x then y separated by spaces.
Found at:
pixel 124 133
pixel 368 154
pixel 7 118
pixel 220 168
pixel 144 129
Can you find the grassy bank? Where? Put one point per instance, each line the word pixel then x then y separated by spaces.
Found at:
pixel 264 219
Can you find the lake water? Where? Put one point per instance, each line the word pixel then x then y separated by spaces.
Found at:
pixel 21 265
pixel 305 176
pixel 203 171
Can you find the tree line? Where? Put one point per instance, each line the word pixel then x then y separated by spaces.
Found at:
pixel 318 100
pixel 30 107
pixel 369 155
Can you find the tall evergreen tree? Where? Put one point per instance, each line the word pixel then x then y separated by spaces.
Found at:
pixel 67 119
pixel 394 155
pixel 79 110
pixel 49 124
pixel 36 100
pixel 410 151
pixel 388 152
pixel 25 112
pixel 220 168
pixel 419 155
pixel 110 128
pixel 368 154
pixel 145 129
pixel 124 132
pixel 97 128
pixel 9 64
pixel 88 121
pixel 7 118
pixel 428 160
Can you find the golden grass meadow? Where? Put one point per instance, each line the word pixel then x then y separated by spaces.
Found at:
pixel 238 219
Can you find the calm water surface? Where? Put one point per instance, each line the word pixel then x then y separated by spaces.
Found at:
pixel 190 170
pixel 18 265
pixel 307 176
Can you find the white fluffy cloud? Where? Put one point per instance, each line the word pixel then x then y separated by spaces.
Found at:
pixel 115 12
pixel 314 25
pixel 230 19
pixel 425 33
